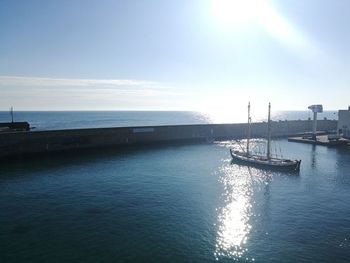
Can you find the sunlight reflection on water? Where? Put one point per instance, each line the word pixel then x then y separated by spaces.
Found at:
pixel 235 217
pixel 233 220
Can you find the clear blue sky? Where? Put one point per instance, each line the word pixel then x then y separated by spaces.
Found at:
pixel 174 55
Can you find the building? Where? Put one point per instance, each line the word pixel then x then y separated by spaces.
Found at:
pixel 344 122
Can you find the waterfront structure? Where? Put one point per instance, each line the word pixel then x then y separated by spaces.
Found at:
pixel 315 109
pixel 34 142
pixel 327 137
pixel 14 126
pixel 344 122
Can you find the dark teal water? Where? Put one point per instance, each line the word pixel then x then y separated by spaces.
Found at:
pixel 177 203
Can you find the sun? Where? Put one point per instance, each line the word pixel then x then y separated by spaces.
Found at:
pixel 236 13
pixel 240 15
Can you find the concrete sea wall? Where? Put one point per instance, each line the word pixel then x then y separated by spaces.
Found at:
pixel 14 126
pixel 32 142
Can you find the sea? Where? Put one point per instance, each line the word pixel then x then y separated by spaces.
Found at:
pixel 53 120
pixel 171 203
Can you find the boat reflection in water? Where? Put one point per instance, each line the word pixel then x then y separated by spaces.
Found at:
pixel 241 185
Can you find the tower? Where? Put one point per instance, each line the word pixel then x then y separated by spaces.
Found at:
pixel 315 109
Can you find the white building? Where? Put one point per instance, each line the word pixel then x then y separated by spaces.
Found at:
pixel 344 122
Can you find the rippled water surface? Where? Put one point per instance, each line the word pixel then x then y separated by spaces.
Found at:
pixel 176 203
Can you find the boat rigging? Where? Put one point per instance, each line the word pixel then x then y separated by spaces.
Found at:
pixel 248 158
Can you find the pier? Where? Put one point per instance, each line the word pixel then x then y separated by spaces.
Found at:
pixel 42 142
pixel 320 140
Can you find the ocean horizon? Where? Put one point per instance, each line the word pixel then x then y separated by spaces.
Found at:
pixel 56 120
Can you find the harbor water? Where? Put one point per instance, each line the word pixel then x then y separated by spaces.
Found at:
pixel 175 203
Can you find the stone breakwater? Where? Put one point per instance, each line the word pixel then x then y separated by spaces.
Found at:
pixel 35 142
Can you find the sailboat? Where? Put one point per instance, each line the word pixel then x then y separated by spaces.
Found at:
pixel 264 161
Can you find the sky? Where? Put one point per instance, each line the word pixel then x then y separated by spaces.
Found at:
pixel 203 55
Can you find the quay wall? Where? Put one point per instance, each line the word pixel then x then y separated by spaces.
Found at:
pixel 14 126
pixel 33 142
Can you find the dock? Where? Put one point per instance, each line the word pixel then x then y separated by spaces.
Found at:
pixel 320 140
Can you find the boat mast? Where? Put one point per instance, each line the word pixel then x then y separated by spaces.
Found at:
pixel 248 130
pixel 269 134
pixel 11 112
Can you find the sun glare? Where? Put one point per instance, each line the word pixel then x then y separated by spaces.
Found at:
pixel 235 13
pixel 239 14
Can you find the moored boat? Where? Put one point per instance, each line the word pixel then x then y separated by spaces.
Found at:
pixel 263 162
pixel 269 162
